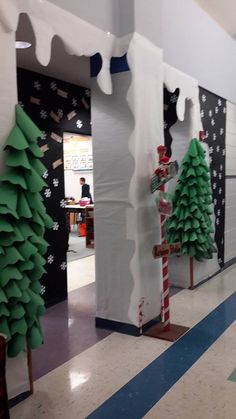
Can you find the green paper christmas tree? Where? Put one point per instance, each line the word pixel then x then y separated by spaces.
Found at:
pixel 190 223
pixel 23 220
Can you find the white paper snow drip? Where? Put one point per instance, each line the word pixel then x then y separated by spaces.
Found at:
pixel 188 89
pixel 78 36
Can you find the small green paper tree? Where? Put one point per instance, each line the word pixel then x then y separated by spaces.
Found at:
pixel 23 220
pixel 190 223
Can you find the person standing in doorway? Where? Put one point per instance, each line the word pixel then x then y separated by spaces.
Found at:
pixel 85 190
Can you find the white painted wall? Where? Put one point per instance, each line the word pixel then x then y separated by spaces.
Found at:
pixel 192 42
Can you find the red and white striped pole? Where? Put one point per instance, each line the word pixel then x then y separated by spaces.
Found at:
pixel 165 276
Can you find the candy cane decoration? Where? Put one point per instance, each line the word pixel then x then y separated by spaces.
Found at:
pixel 165 276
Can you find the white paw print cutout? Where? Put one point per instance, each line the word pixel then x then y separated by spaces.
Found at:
pixel 221 167
pixel 87 93
pixel 214 137
pixel 206 134
pixel 45 175
pixel 223 152
pixel 74 101
pixel 214 173
pixel 214 185
pixel 60 113
pixel 210 113
pixel 218 149
pixel 48 193
pixel 43 114
pixel 224 109
pixel 50 259
pixel 202 113
pixel 220 176
pixel 79 124
pixel 216 109
pixel 55 182
pixel 222 241
pixel 55 226
pixel 63 203
pixel 220 191
pixel 204 98
pixel 218 212
pixel 37 85
pixel 53 86
pixel 222 131
pixel 210 159
pixel 219 102
pixel 210 150
pixel 219 260
pixel 223 202
pixel 217 221
pixel 213 122
pixel 215 201
pixel 63 266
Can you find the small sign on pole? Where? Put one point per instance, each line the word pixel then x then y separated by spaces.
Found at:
pixel 165 249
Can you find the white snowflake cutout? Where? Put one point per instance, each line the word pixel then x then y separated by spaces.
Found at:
pixel 220 176
pixel 217 148
pixel 214 173
pixel 44 135
pixel 211 150
pixel 219 102
pixel 43 114
pixel 216 109
pixel 55 182
pixel 63 203
pixel 224 109
pixel 87 93
pixel 60 113
pixel 43 290
pixel 210 159
pixel 221 167
pixel 74 101
pixel 79 124
pixel 206 134
pixel 63 266
pixel 217 221
pixel 50 259
pixel 223 152
pixel 223 202
pixel 213 122
pixel 37 85
pixel 220 191
pixel 45 175
pixel 202 113
pixel 215 201
pixel 222 131
pixel 214 185
pixel 55 226
pixel 53 86
pixel 210 113
pixel 214 137
pixel 204 98
pixel 48 193
pixel 218 212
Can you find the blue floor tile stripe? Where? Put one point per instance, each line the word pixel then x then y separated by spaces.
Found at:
pixel 141 393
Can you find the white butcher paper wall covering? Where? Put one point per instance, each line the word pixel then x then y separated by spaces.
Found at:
pixel 230 210
pixel 187 127
pixel 80 38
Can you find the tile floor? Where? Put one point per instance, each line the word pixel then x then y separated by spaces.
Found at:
pixel 84 384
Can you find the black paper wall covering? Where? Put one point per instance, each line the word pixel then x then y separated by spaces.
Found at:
pixel 170 116
pixel 213 114
pixel 55 107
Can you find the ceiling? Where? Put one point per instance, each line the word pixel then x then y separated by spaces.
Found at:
pixel 223 11
pixel 70 68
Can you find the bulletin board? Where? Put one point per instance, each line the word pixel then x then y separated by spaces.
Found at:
pixel 78 152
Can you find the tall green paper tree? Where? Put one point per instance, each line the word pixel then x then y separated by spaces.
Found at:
pixel 190 223
pixel 23 220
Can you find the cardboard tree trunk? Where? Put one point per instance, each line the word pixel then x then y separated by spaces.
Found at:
pixel 190 223
pixel 23 220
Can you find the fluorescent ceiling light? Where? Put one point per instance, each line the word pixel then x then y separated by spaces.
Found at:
pixel 23 44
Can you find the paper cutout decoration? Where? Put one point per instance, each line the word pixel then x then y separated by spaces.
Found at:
pixel 190 223
pixel 23 221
